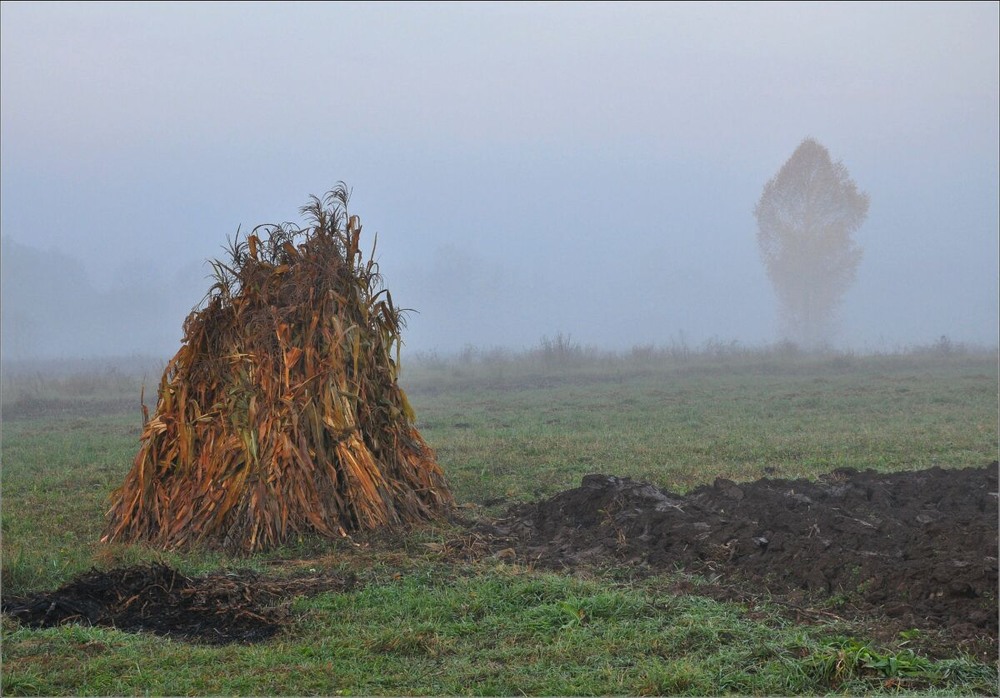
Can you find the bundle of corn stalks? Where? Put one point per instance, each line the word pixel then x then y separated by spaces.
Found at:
pixel 281 415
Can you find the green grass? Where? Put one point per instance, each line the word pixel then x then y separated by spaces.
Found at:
pixel 513 430
pixel 501 434
pixel 498 631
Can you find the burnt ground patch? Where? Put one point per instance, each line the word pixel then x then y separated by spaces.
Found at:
pixel 901 550
pixel 219 608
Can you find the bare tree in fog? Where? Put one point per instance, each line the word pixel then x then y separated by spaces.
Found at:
pixel 805 219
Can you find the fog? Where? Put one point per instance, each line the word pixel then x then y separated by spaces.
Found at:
pixel 531 170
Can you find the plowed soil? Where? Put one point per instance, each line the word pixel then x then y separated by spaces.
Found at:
pixel 217 609
pixel 908 550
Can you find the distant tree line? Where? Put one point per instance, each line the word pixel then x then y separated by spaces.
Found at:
pixel 50 308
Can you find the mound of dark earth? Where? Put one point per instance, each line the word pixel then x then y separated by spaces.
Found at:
pixel 915 549
pixel 215 609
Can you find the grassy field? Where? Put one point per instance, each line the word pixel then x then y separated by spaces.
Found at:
pixel 502 432
pixel 507 428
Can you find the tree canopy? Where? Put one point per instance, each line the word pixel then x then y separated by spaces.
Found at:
pixel 806 217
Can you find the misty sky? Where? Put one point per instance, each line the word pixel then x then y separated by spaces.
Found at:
pixel 530 169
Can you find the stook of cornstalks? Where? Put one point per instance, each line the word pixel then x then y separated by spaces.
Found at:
pixel 280 415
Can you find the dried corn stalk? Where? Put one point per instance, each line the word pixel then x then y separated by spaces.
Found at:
pixel 281 415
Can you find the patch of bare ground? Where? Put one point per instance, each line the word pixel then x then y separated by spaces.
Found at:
pixel 219 608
